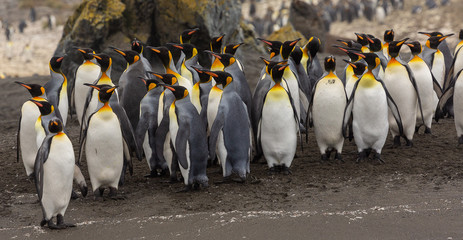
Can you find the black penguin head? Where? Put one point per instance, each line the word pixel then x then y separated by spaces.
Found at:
pixel 137 46
pixel 203 76
pixel 287 48
pixel 187 34
pixel 274 46
pixel 150 83
pixel 314 46
pixel 270 64
pixel 394 47
pixel 216 44
pixel 460 36
pixel 358 67
pixel 296 55
pixel 174 51
pixel 350 52
pixel 44 106
pixel 330 64
pixel 231 48
pixel 104 91
pixel 166 78
pixel 55 64
pixel 226 59
pixel 222 78
pixel 277 72
pixel 188 49
pixel 415 47
pixel 86 53
pixel 434 41
pixel 34 89
pixel 389 35
pixel 179 92
pixel 375 44
pixel 55 126
pixel 163 54
pixel 372 59
pixel 104 61
pixel 362 39
pixel 130 56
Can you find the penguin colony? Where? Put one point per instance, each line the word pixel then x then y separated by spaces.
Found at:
pixel 182 117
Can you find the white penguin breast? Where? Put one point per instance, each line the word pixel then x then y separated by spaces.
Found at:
pixel 28 142
pixel 86 73
pixel 438 68
pixel 215 96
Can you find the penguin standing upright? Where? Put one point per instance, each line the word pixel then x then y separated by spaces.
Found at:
pixel 348 71
pixel 278 125
pixel 132 90
pixel 428 87
pixel 87 72
pixel 314 69
pixel 54 168
pixel 188 137
pixel 147 125
pixel 230 134
pixel 435 59
pixel 368 106
pixel 105 146
pixel 444 49
pixel 26 138
pixel 388 37
pixel 326 111
pixel 56 89
pixel 400 82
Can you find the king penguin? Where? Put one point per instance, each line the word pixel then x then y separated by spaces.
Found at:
pixel 54 168
pixel 132 90
pixel 233 147
pixel 87 72
pixel 26 138
pixel 428 87
pixel 188 138
pixel 326 111
pixel 278 125
pixel 147 125
pixel 401 83
pixel 105 148
pixel 190 60
pixel 368 106
pixel 56 89
pixel 388 37
pixel 435 59
pixel 137 46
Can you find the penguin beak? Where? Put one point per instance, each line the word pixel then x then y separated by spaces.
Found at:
pixel 237 45
pixel 97 57
pixel 359 54
pixel 211 74
pixel 157 75
pixel 265 41
pixel 402 42
pixel 294 42
pixel 154 50
pixel 343 42
pixel 220 38
pixel 359 36
pixel 144 81
pixel 444 37
pixel 197 70
pixel 169 87
pixel 193 31
pixel 92 86
pixel 37 103
pixel 177 46
pixel 425 33
pixel 265 60
pixel 340 48
pixel 24 85
pixel 369 40
pixel 213 54
pixel 82 51
pixel 409 44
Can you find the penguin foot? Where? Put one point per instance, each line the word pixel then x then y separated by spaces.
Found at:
pixel 378 157
pixel 187 188
pixel 460 140
pixel 84 191
pixel 338 157
pixel 43 222
pixel 361 156
pixel 427 130
pixel 272 171
pixel 324 158
pixel 396 143
pixel 254 180
pixel 285 170
pixel 74 195
pixel 98 194
pixel 225 180
pixel 60 222
pixel 409 143
pixel 53 226
pixel 113 194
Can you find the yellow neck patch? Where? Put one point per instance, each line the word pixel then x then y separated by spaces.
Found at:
pixel 368 80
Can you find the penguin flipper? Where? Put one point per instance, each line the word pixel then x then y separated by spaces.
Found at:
pixel 160 135
pixel 436 86
pixel 183 134
pixel 393 107
pixel 451 71
pixel 348 111
pixel 215 130
pixel 126 128
pixel 411 76
pixel 140 132
pixel 443 101
pixel 18 139
pixel 83 139
pixel 40 159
